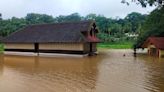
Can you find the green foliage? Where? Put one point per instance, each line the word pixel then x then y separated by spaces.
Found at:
pixel 11 25
pixel 33 18
pixel 116 45
pixel 144 3
pixel 1 48
pixel 110 30
pixel 154 26
pixel 70 18
pixel 135 19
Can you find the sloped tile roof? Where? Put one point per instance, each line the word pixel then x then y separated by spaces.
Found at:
pixel 47 33
pixel 157 41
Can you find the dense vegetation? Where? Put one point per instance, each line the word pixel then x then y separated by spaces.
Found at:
pixel 111 30
pixel 145 3
pixel 114 32
pixel 154 23
pixel 153 26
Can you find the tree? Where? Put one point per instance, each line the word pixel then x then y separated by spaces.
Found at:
pixel 70 18
pixel 91 16
pixel 136 19
pixel 144 3
pixel 153 26
pixel 33 18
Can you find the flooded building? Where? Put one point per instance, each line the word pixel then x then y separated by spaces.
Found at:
pixel 68 38
pixel 155 46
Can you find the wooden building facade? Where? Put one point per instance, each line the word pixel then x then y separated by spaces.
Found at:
pixel 155 46
pixel 69 38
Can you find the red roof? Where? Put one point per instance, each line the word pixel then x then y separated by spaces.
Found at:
pixel 93 39
pixel 158 42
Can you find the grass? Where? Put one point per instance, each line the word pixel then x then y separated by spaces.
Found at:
pixel 1 48
pixel 116 45
pixel 110 45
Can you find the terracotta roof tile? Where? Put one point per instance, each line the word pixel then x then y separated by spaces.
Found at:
pixel 157 41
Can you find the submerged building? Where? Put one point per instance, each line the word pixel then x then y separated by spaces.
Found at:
pixel 155 46
pixel 68 38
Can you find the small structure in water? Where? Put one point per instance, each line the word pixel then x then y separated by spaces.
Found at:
pixel 65 38
pixel 155 46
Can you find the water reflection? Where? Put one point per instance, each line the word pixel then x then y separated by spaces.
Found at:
pixel 42 74
pixel 155 78
pixel 110 71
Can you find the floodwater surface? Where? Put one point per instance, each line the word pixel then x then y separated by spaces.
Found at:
pixel 109 71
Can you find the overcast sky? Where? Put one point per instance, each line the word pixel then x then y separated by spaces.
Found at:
pixel 108 8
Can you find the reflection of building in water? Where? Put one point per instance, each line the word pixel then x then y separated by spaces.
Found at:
pixel 155 46
pixel 61 74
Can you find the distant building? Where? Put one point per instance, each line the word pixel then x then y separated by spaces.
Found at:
pixel 132 35
pixel 155 46
pixel 69 38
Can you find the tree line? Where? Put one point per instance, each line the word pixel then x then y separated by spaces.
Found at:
pixel 110 29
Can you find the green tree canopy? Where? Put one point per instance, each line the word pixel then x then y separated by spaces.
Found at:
pixel 154 26
pixel 33 18
pixel 144 3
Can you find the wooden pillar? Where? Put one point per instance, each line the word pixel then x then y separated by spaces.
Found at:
pixel 91 47
pixel 135 51
pixel 159 53
pixel 36 47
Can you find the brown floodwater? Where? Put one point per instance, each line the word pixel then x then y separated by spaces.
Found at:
pixel 109 71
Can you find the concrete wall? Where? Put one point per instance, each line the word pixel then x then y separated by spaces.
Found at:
pixel 19 46
pixel 62 46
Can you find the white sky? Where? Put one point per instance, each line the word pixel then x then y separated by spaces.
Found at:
pixel 108 8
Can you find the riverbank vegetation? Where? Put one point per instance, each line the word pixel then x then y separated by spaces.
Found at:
pixel 116 45
pixel 116 32
pixel 154 22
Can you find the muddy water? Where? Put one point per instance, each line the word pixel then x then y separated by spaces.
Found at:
pixel 110 71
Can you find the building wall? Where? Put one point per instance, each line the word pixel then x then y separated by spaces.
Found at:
pixel 152 50
pixel 161 53
pixel 94 47
pixel 19 46
pixel 61 46
pixel 87 47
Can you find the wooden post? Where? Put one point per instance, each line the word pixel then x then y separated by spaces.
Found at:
pixel 135 54
pixel 90 49
pixel 36 50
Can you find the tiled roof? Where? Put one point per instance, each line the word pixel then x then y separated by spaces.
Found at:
pixel 56 32
pixel 157 41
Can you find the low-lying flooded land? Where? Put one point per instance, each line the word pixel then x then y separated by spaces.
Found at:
pixel 110 71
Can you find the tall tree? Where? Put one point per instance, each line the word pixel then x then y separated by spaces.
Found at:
pixel 70 18
pixel 33 18
pixel 144 3
pixel 153 26
pixel 136 19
